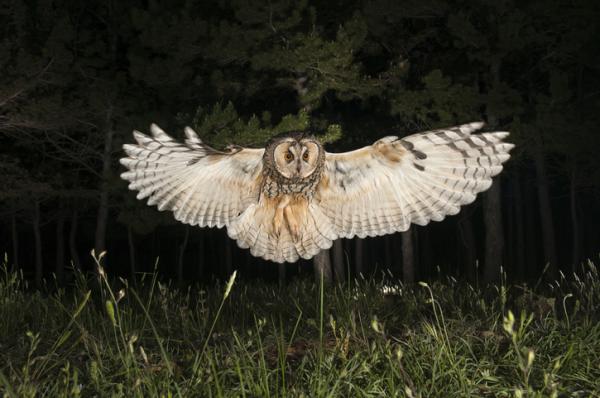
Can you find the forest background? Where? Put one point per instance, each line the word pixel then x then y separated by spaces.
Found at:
pixel 77 77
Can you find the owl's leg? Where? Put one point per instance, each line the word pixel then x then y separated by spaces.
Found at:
pixel 278 219
pixel 292 223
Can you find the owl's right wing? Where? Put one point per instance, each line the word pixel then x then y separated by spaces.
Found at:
pixel 384 187
pixel 202 186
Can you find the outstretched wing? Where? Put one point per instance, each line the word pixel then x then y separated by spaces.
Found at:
pixel 383 188
pixel 202 186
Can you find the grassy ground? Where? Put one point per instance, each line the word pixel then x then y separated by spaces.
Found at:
pixel 365 338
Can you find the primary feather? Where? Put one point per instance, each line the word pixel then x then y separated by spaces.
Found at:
pixel 385 187
pixel 202 186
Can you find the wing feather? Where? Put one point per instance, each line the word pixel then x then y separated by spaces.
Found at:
pixel 385 187
pixel 202 186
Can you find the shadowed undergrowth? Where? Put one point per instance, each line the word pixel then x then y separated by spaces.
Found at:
pixel 364 338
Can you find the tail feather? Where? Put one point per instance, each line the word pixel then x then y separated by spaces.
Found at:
pixel 253 229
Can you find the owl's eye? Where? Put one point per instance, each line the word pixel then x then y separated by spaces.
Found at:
pixel 288 156
pixel 305 156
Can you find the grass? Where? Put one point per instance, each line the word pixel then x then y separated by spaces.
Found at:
pixel 248 339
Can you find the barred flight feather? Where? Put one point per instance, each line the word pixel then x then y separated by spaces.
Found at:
pixel 200 185
pixel 385 187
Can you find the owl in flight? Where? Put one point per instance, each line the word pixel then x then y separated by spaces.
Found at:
pixel 292 199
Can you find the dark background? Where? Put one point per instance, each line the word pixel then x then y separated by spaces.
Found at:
pixel 77 76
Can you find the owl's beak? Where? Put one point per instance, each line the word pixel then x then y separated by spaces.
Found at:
pixel 298 167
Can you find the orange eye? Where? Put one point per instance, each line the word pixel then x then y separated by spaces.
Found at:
pixel 288 156
pixel 305 156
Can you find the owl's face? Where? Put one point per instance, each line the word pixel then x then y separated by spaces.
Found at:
pixel 297 158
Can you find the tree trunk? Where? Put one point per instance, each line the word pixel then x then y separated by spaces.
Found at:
pixel 494 233
pixel 60 246
pixel 15 241
pixel 338 261
pixel 102 216
pixel 201 259
pixel 492 203
pixel 465 226
pixel 387 252
pixel 574 220
pixel 322 267
pixel 228 257
pixel 358 256
pixel 509 229
pixel 131 254
pixel 73 240
pixel 545 209
pixel 281 274
pixel 347 246
pixel 408 257
pixel 519 228
pixel 424 259
pixel 182 248
pixel 531 232
pixel 37 236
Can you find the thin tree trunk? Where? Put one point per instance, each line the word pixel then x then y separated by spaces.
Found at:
pixel 15 241
pixel 545 209
pixel 358 256
pixel 347 245
pixel 494 233
pixel 131 244
pixel 531 234
pixel 387 252
pixel 509 252
pixel 182 248
pixel 201 259
pixel 73 240
pixel 338 261
pixel 408 257
pixel 102 216
pixel 322 267
pixel 423 259
pixel 465 226
pixel 60 246
pixel 574 220
pixel 519 228
pixel 492 204
pixel 281 274
pixel 228 257
pixel 37 236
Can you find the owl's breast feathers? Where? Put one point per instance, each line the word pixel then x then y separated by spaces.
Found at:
pixel 287 201
pixel 274 189
pixel 284 224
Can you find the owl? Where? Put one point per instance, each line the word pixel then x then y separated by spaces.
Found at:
pixel 292 198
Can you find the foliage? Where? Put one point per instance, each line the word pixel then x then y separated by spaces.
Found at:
pixel 222 126
pixel 364 338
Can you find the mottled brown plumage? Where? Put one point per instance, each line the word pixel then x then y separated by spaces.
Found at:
pixel 292 199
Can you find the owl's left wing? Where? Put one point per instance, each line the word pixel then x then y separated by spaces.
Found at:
pixel 384 187
pixel 201 185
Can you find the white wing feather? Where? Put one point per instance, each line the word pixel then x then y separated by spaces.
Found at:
pixel 385 187
pixel 202 186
